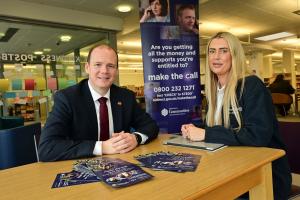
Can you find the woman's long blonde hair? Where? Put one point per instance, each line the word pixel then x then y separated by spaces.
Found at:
pixel 237 73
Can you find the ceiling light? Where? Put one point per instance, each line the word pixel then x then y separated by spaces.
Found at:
pixel 274 36
pixel 277 54
pixel 297 12
pixel 214 26
pixel 65 38
pixel 132 56
pixel 2 34
pixel 124 8
pixel 130 43
pixel 38 52
pixel 47 49
pixel 240 31
pixel 291 41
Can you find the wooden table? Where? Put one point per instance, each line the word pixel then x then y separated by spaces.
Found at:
pixel 224 174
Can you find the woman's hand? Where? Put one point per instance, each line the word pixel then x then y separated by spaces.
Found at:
pixel 146 15
pixel 185 129
pixel 193 133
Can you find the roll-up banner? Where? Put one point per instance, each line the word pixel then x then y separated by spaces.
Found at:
pixel 170 46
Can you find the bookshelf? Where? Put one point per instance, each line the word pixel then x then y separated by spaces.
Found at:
pixel 298 81
pixel 32 105
pixel 24 110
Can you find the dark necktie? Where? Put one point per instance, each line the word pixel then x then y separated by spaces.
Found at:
pixel 104 123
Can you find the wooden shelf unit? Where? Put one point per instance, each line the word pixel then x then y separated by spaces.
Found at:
pixel 298 82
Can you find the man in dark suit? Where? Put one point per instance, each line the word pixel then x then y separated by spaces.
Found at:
pixel 73 130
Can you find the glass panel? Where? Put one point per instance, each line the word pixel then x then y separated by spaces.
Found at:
pixel 35 61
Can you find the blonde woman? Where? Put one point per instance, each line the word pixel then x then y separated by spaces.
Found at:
pixel 240 110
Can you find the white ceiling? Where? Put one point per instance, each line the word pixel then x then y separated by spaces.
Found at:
pixel 247 19
pixel 30 38
pixel 256 17
pixel 102 7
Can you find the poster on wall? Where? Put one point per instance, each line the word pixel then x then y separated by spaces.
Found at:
pixel 170 46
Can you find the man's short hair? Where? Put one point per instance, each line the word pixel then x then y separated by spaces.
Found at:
pixel 100 45
pixel 183 7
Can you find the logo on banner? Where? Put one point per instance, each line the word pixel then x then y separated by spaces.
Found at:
pixel 174 111
pixel 164 112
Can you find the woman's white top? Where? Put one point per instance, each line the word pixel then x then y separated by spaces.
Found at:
pixel 220 95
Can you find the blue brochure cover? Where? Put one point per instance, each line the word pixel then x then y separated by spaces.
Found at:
pixel 73 178
pixel 118 173
pixel 178 162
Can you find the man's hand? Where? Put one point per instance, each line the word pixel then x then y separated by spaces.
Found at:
pixel 119 143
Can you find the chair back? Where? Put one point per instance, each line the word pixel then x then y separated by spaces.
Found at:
pixel 281 98
pixel 11 122
pixel 18 146
pixel 291 137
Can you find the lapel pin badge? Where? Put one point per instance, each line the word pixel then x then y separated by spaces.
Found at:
pixel 119 103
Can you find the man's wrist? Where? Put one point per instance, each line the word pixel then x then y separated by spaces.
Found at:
pixel 138 138
pixel 98 148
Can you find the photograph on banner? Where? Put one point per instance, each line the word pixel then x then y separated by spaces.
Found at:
pixel 169 32
pixel 154 11
pixel 171 64
pixel 187 19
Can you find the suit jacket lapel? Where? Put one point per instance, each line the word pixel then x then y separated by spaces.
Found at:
pixel 90 106
pixel 116 108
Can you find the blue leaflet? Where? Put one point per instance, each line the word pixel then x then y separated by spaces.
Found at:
pixel 178 162
pixel 117 172
pixel 73 178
